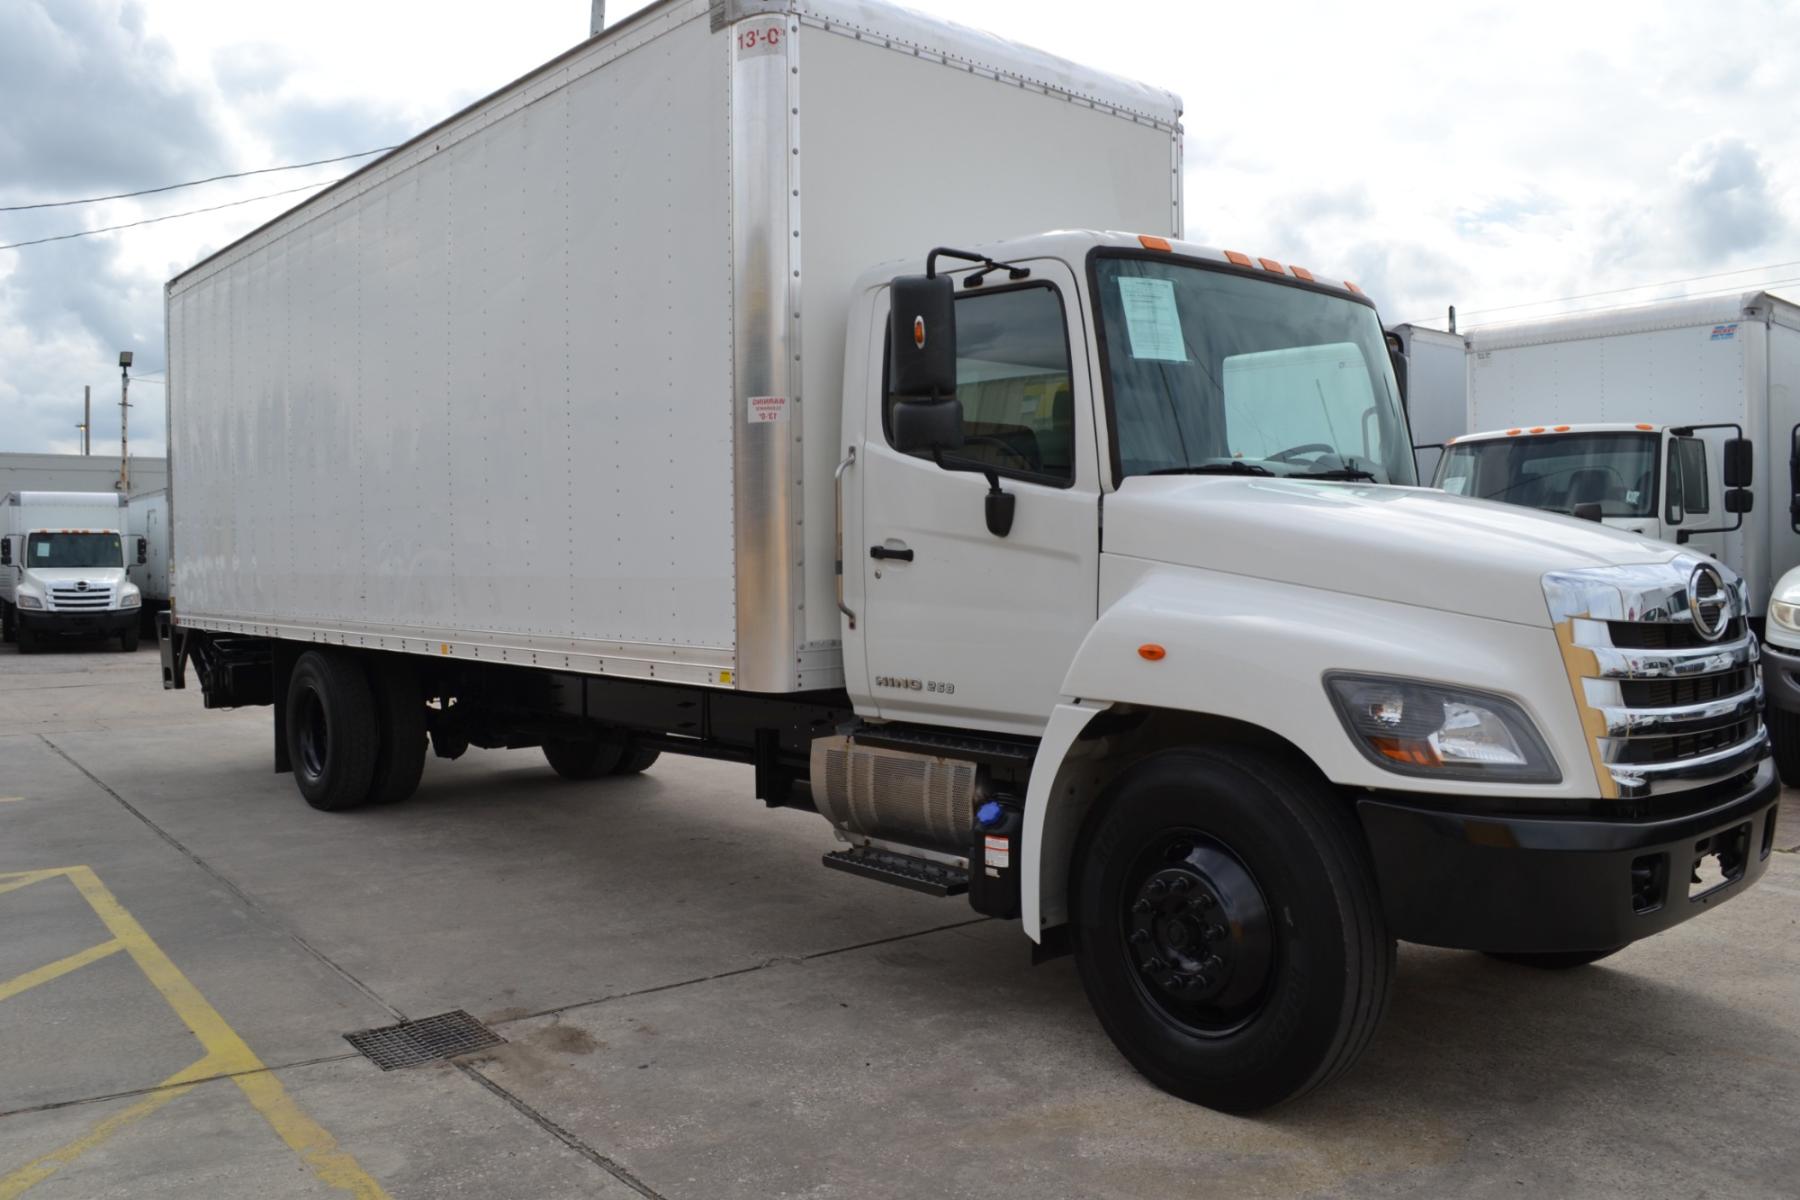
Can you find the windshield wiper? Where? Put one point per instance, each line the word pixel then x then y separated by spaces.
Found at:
pixel 1234 467
pixel 1336 473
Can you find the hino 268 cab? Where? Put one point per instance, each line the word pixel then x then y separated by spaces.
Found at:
pixel 1079 573
pixel 62 568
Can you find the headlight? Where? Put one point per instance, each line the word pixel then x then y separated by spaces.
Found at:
pixel 1415 728
pixel 1785 615
pixel 26 600
pixel 129 600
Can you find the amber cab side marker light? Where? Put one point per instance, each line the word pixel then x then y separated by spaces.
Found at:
pixel 1151 652
pixel 1514 432
pixel 1302 273
pixel 1232 256
pixel 1641 425
pixel 1562 429
pixel 1537 429
pixel 1154 243
pixel 1269 264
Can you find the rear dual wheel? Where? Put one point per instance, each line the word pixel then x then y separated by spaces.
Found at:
pixel 355 731
pixel 1227 928
pixel 592 758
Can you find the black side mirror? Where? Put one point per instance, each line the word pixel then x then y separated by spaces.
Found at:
pixel 1590 511
pixel 143 551
pixel 5 552
pixel 1739 500
pixel 922 364
pixel 1398 359
pixel 1739 465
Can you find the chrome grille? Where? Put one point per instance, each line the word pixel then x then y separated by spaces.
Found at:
pixel 67 597
pixel 1668 709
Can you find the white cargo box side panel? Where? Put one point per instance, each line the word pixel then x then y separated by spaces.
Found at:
pixel 482 395
pixel 901 150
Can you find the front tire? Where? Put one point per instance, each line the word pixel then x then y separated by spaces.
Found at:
pixel 9 623
pixel 28 640
pixel 331 732
pixel 1227 929
pixel 128 639
pixel 1784 734
pixel 1552 960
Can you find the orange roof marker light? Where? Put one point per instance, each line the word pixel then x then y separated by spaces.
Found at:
pixel 1641 425
pixel 1154 243
pixel 1269 264
pixel 1514 432
pixel 1353 287
pixel 1562 429
pixel 1242 260
pixel 1302 273
pixel 1537 429
pixel 1151 652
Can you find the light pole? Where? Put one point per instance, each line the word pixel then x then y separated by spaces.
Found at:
pixel 87 418
pixel 124 413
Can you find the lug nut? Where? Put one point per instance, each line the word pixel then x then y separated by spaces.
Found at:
pixel 1199 981
pixel 1213 962
pixel 1155 964
pixel 1180 886
pixel 1215 933
pixel 1139 937
pixel 1141 906
pixel 1158 887
pixel 1207 900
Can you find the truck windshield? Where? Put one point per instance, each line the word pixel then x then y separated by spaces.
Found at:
pixel 1617 471
pixel 1212 370
pixel 74 550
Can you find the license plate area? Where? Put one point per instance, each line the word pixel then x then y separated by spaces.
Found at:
pixel 1719 861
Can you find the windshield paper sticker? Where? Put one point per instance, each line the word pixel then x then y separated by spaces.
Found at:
pixel 1724 333
pixel 764 409
pixel 1151 319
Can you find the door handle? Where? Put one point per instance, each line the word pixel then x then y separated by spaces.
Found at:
pixel 884 552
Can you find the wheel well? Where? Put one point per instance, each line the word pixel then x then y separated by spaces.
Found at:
pixel 1111 743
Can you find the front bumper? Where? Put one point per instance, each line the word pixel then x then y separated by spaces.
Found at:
pixel 109 620
pixel 1781 678
pixel 1541 884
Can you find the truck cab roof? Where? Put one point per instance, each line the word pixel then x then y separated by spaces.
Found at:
pixel 1553 430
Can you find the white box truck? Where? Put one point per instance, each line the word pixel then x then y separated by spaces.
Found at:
pixel 1639 417
pixel 147 552
pixel 1079 573
pixel 62 568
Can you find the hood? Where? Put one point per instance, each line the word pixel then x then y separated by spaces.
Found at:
pixel 1409 545
pixel 96 577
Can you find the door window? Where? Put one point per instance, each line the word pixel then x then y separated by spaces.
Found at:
pixel 1014 384
pixel 1687 479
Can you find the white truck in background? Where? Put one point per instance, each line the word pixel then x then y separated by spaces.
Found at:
pixel 147 552
pixel 1437 388
pixel 62 569
pixel 1080 573
pixel 1671 420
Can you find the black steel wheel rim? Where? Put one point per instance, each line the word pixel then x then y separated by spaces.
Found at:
pixel 1198 938
pixel 314 737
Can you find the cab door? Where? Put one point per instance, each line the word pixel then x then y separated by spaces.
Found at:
pixel 963 624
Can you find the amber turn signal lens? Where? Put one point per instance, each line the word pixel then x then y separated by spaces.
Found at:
pixel 1154 243
pixel 1151 652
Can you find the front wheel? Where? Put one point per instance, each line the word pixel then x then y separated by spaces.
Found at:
pixel 1784 734
pixel 1227 929
pixel 128 639
pixel 8 623
pixel 1552 960
pixel 28 640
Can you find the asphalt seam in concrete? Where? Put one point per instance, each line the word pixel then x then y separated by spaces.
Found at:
pixel 778 960
pixel 563 1135
pixel 248 900
pixel 52 1105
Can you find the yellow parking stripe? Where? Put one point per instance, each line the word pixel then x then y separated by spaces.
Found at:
pixel 62 966
pixel 19 879
pixel 226 1054
pixel 40 1169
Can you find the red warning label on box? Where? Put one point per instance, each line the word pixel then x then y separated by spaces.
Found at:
pixel 764 409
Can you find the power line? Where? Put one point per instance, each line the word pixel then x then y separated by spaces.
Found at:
pixel 63 237
pixel 170 187
pixel 1482 312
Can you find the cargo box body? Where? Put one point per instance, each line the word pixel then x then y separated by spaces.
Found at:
pixel 558 382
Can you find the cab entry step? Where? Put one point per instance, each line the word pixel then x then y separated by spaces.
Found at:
pixel 903 870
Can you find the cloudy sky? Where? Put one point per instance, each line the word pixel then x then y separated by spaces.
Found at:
pixel 1494 156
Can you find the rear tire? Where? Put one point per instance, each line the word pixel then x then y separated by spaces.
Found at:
pixel 128 639
pixel 1784 734
pixel 589 758
pixel 636 759
pixel 1227 928
pixel 400 713
pixel 331 730
pixel 1553 960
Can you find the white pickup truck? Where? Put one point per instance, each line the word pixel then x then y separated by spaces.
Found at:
pixel 62 568
pixel 1081 573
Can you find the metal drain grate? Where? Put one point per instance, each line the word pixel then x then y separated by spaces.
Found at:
pixel 426 1040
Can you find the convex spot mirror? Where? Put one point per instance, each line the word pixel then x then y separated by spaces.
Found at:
pixel 922 363
pixel 5 551
pixel 1739 500
pixel 143 551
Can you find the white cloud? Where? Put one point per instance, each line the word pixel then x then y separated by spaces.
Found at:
pixel 1481 154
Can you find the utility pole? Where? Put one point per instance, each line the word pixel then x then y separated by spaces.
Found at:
pixel 87 418
pixel 124 414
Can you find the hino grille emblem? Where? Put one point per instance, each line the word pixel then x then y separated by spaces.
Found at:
pixel 81 586
pixel 1708 602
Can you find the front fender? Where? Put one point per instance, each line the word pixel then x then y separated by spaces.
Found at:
pixel 1253 650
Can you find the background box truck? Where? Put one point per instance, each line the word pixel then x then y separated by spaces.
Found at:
pixel 147 551
pixel 1437 389
pixel 1632 410
pixel 1062 570
pixel 62 568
